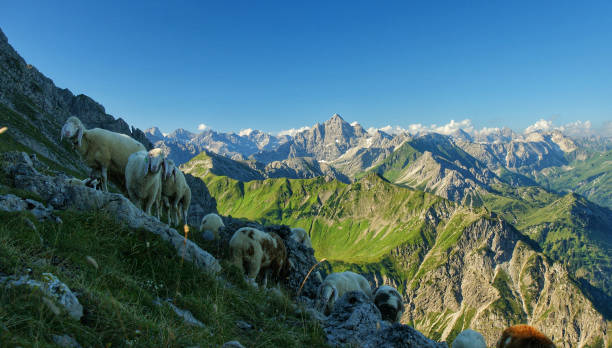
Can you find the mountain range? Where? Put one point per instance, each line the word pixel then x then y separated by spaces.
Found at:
pixel 480 230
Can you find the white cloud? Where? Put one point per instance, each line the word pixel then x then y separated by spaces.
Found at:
pixel 245 132
pixel 293 131
pixel 453 126
pixel 542 124
pixel 578 128
pixel 354 123
pixel 387 129
pixel 487 131
pixel 416 128
pixel 202 127
pixel 575 129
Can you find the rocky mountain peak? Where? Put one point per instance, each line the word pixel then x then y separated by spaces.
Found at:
pixel 3 37
pixel 336 118
pixel 154 134
pixel 181 134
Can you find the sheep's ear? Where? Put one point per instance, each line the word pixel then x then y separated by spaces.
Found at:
pixel 146 166
pixel 79 135
pixel 166 168
pixel 334 293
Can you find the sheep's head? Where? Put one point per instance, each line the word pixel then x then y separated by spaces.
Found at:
pixel 389 302
pixel 169 168
pixel 328 294
pixel 73 130
pixel 155 160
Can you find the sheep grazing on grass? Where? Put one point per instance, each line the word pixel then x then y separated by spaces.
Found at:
pixel 389 302
pixel 301 236
pixel 524 336
pixel 337 284
pixel 213 223
pixel 254 251
pixel 101 149
pixel 469 339
pixel 143 179
pixel 176 194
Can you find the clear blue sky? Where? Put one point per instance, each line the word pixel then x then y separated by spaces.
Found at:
pixel 279 65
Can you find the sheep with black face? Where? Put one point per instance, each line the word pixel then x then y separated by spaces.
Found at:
pixel 389 302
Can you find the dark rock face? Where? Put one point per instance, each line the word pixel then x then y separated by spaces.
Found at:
pixel 202 202
pixel 23 88
pixel 355 320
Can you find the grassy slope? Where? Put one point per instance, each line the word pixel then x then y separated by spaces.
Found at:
pixel 591 178
pixel 19 123
pixel 357 226
pixel 135 267
pixel 569 228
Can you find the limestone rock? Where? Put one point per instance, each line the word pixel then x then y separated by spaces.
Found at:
pixel 355 320
pixel 52 287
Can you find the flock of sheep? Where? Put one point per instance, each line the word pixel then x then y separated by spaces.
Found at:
pixel 148 176
pixel 150 179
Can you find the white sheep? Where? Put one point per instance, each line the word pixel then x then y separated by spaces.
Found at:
pixel 253 250
pixel 101 149
pixel 143 179
pixel 301 236
pixel 519 336
pixel 175 192
pixel 337 284
pixel 213 223
pixel 469 339
pixel 88 182
pixel 389 302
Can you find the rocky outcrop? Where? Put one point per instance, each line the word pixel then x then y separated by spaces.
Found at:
pixel 55 192
pixel 34 109
pixel 202 202
pixel 356 321
pixel 494 277
pixel 52 288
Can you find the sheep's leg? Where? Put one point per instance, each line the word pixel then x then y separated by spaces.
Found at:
pixel 175 209
pixel 150 202
pixel 104 179
pixel 266 276
pixel 253 268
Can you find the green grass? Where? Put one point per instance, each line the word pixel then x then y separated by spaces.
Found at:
pixel 507 303
pixel 591 177
pixel 18 126
pixel 360 223
pixel 568 228
pixel 135 268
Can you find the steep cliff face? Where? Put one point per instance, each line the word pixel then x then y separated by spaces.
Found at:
pixel 247 170
pixel 34 110
pixel 525 154
pixel 493 277
pixel 434 164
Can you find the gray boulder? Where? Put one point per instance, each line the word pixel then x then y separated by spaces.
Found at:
pixel 52 287
pixel 356 321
